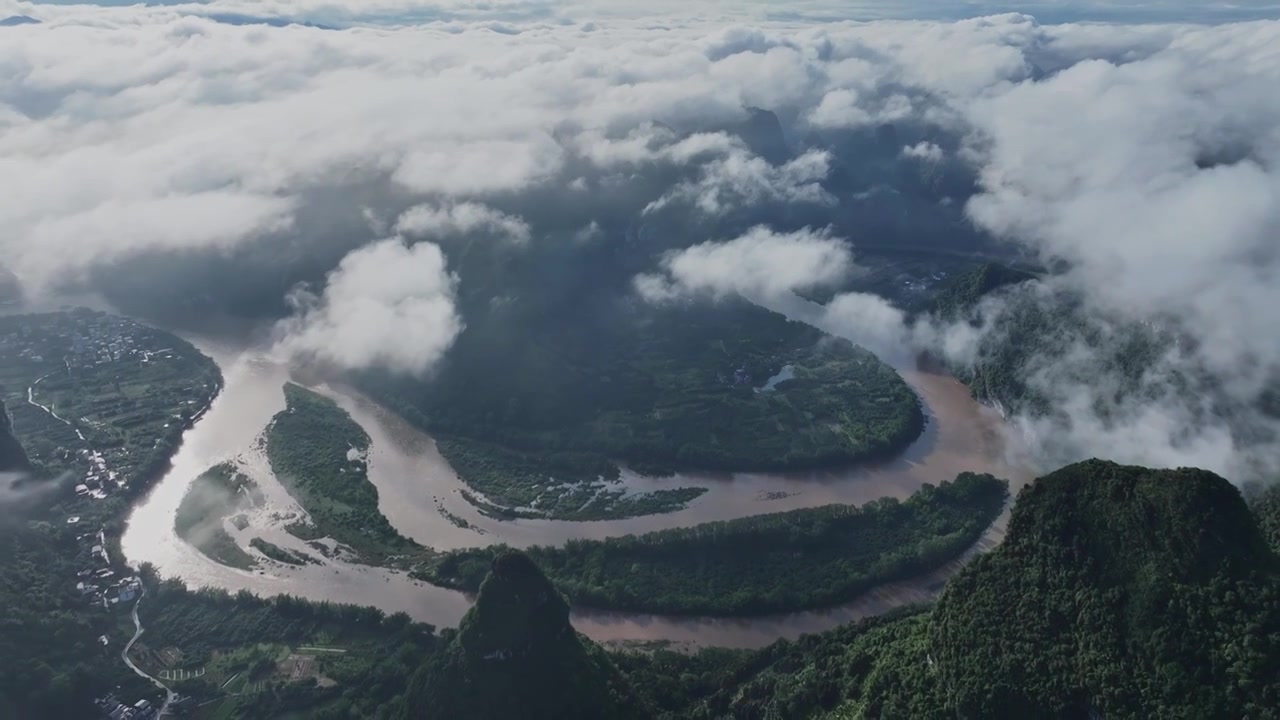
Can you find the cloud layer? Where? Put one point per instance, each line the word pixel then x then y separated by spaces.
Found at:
pixel 386 305
pixel 759 264
pixel 1142 161
pixel 146 130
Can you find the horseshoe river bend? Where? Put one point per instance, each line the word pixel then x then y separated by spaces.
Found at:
pixel 418 492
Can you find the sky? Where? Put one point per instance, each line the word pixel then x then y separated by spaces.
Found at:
pixel 1135 145
pixel 336 13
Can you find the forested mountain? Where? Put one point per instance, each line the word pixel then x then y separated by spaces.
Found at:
pixel 515 655
pixel 1119 592
pixel 965 291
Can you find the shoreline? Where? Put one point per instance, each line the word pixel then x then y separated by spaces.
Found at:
pixel 417 493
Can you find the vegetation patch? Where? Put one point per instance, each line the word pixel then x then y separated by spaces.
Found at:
pixel 282 555
pixel 212 497
pixel 532 411
pixel 281 657
pixel 563 486
pixel 780 562
pixel 317 451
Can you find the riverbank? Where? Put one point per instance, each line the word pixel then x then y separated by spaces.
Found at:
pixel 541 423
pixel 764 564
pixel 318 453
pixel 422 499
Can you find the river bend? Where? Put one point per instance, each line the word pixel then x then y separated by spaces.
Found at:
pixel 418 491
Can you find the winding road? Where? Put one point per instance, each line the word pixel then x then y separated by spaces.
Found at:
pixel 31 398
pixel 169 695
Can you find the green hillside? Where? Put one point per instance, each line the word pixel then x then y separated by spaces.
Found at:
pixel 1120 592
pixel 515 655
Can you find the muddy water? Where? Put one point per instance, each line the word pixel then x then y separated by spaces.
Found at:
pixel 414 482
pixel 420 495
pixel 251 396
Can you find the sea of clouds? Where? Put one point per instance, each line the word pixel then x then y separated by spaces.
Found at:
pixel 1143 160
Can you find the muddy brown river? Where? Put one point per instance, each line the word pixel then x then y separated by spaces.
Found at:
pixel 418 490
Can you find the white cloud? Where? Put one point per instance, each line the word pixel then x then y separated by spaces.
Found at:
pixel 839 109
pixel 119 227
pixel 1144 157
pixel 741 178
pixel 150 107
pixel 870 321
pixel 461 219
pixel 480 166
pixel 923 151
pixel 386 305
pixel 758 264
pixel 1158 180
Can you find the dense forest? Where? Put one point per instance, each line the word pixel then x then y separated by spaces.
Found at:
pixel 1159 581
pixel 725 386
pixel 317 452
pixel 762 564
pixel 957 297
pixel 362 657
pixel 1120 592
pixel 875 668
pixel 1029 323
pixel 515 655
pixel 1264 501
pixel 52 663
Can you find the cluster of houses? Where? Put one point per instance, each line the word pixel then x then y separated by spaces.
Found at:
pixel 99 481
pixel 113 709
pixel 97 581
pixel 83 338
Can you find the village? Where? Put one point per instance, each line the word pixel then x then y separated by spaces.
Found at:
pixel 98 581
pixel 106 399
pixel 95 393
pixel 113 709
